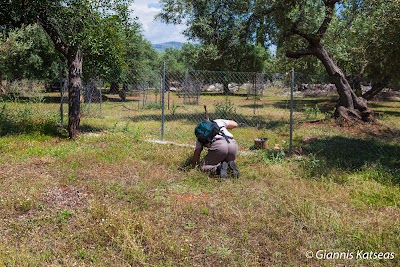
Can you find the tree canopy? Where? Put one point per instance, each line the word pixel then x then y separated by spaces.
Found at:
pixel 348 38
pixel 27 53
pixel 111 42
pixel 222 28
pixel 98 30
pixel 372 49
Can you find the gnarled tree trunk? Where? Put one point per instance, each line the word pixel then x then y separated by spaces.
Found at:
pixel 376 88
pixel 114 88
pixel 74 89
pixel 74 58
pixel 349 106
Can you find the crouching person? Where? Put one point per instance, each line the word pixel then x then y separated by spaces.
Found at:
pixel 222 147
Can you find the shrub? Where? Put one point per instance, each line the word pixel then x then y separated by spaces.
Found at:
pixel 20 121
pixel 225 110
pixel 30 89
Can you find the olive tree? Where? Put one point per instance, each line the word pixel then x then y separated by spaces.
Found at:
pixel 27 53
pixel 373 38
pixel 338 36
pixel 305 25
pixel 225 31
pixel 71 25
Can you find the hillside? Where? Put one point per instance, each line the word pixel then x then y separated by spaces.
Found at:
pixel 162 46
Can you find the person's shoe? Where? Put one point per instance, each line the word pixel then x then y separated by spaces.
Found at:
pixel 235 170
pixel 223 172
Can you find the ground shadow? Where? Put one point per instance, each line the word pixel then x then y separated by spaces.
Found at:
pixel 91 129
pixel 186 165
pixel 324 104
pixel 190 118
pixel 353 154
pixel 381 113
pixel 48 128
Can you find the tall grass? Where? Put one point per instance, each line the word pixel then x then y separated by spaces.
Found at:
pixel 24 119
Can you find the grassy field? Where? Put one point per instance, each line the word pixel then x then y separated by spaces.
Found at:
pixel 114 198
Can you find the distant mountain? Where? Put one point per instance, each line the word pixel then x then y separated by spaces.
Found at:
pixel 161 47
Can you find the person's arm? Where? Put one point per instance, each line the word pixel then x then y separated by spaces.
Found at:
pixel 230 124
pixel 196 156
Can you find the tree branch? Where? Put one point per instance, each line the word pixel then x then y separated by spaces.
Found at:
pixel 300 53
pixel 329 9
pixel 316 38
pixel 377 87
pixel 54 35
pixel 295 30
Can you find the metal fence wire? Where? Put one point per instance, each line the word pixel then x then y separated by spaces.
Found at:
pixel 166 105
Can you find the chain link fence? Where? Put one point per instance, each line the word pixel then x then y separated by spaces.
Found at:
pixel 174 102
pixel 167 105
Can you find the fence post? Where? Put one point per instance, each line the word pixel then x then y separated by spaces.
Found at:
pixel 255 92
pixel 162 102
pixel 60 78
pixel 101 95
pixel 291 110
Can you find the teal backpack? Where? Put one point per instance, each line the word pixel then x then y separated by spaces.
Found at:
pixel 206 131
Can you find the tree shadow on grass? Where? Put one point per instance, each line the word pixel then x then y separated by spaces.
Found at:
pixel 44 128
pixel 25 121
pixel 353 154
pixel 323 104
pixel 387 113
pixel 194 118
pixel 84 128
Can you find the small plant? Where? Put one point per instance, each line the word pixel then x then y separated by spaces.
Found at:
pixel 24 205
pixel 125 129
pixel 82 254
pixel 272 156
pixel 136 135
pixel 152 105
pixel 225 110
pixel 312 113
pixel 315 168
pixel 205 211
pixel 189 225
pixel 64 216
pixel 174 107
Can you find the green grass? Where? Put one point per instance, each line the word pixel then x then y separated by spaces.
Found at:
pixel 112 198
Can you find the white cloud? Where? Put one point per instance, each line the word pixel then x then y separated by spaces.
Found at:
pixel 154 30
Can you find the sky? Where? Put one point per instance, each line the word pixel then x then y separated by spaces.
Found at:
pixel 155 31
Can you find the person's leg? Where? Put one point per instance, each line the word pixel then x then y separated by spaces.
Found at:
pixel 215 156
pixel 231 157
pixel 222 169
pixel 234 168
pixel 232 150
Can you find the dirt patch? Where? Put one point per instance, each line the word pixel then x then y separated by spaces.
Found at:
pixel 374 130
pixel 65 197
pixel 190 197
